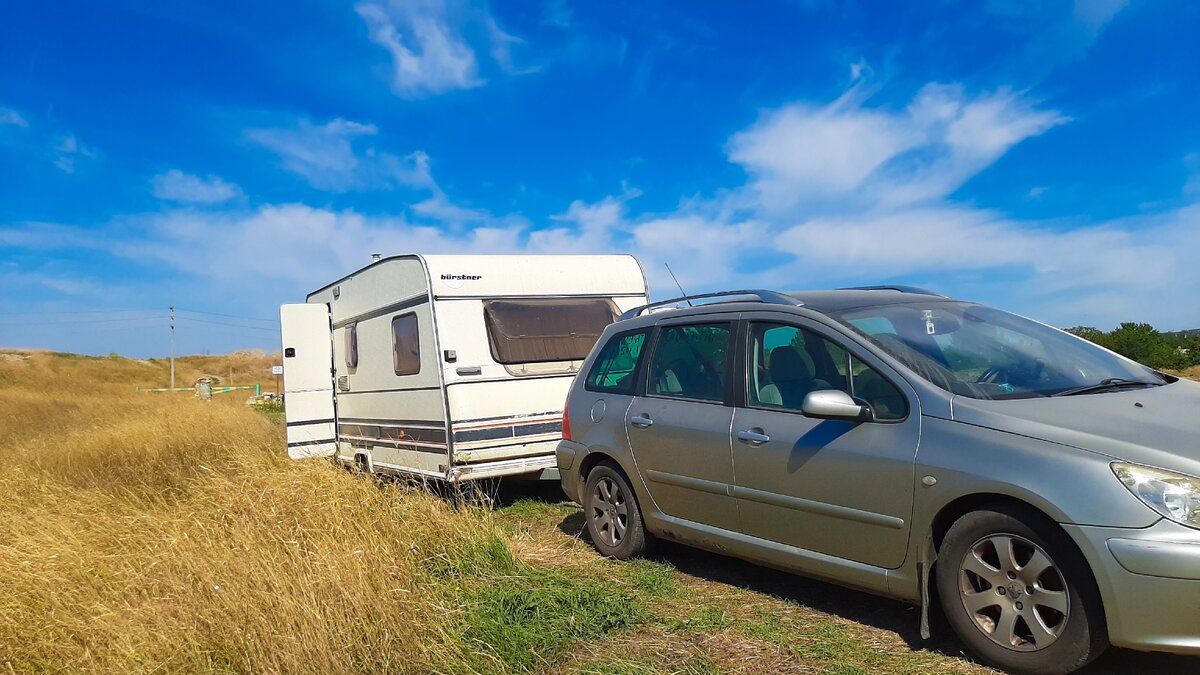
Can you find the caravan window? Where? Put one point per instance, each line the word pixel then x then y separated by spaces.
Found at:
pixel 352 345
pixel 541 331
pixel 406 345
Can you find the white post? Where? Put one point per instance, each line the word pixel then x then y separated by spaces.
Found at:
pixel 172 347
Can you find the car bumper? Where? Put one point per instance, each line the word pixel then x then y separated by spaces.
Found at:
pixel 1149 580
pixel 569 456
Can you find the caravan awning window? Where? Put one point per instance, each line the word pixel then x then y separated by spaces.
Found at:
pixel 541 331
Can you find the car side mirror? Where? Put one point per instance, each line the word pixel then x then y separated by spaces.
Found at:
pixel 832 404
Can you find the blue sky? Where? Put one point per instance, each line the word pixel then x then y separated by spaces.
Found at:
pixel 227 157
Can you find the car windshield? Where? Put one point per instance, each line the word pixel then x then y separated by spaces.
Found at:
pixel 981 352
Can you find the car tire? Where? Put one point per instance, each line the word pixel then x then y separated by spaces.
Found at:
pixel 614 519
pixel 1018 593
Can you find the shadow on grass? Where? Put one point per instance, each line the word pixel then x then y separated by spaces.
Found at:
pixel 881 613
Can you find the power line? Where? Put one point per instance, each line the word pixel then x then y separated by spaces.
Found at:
pixel 77 321
pixel 222 323
pixel 79 311
pixel 228 316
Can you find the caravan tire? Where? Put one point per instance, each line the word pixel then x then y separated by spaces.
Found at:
pixel 614 519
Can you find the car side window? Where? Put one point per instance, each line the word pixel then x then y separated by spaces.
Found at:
pixel 886 401
pixel 787 362
pixel 615 369
pixel 689 362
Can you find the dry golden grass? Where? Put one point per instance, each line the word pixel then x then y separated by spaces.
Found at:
pixel 147 532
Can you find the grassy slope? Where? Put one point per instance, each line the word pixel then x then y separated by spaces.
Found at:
pixel 149 532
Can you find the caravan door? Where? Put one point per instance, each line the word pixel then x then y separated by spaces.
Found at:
pixel 308 380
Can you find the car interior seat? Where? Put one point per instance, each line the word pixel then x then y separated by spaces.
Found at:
pixel 793 376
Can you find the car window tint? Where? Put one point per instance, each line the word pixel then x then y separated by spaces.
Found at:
pixel 689 362
pixel 615 368
pixel 787 362
pixel 886 401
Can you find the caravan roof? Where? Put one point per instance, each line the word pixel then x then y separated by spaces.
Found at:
pixel 466 276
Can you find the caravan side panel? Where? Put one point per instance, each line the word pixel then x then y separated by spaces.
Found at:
pixel 496 415
pixel 396 419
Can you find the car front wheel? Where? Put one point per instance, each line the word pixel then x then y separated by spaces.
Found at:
pixel 1018 593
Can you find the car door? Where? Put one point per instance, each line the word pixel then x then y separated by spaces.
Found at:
pixel 679 427
pixel 837 487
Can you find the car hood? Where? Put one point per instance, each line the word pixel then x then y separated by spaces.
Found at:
pixel 1159 426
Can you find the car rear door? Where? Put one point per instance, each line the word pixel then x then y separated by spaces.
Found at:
pixel 838 487
pixel 679 426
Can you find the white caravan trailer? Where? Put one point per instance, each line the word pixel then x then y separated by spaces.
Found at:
pixel 447 366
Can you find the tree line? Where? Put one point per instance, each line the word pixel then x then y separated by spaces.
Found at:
pixel 1143 343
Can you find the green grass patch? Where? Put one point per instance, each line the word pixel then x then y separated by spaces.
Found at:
pixel 525 621
pixel 528 510
pixel 655 579
pixel 707 619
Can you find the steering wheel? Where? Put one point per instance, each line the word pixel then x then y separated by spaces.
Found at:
pixel 1012 374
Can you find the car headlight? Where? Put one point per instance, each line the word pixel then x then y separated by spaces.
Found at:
pixel 1174 495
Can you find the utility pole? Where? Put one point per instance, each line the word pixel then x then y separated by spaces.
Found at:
pixel 172 347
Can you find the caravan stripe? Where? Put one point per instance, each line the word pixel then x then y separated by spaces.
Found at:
pixel 394 433
pixel 388 391
pixel 305 422
pixel 420 424
pixel 513 431
pixel 360 441
pixel 297 444
pixel 382 311
pixel 509 417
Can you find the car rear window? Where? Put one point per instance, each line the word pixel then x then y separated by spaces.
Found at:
pixel 615 369
pixel 545 330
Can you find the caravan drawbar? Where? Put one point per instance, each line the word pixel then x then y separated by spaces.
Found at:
pixel 452 367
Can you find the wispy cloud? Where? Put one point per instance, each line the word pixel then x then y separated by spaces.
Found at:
pixel 68 150
pixel 326 156
pixel 177 186
pixel 428 55
pixel 1056 32
pixel 883 209
pixel 812 157
pixel 10 117
pixel 429 50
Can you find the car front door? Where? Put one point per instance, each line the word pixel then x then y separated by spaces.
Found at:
pixel 679 427
pixel 837 487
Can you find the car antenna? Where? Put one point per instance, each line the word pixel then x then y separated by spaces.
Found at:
pixel 683 292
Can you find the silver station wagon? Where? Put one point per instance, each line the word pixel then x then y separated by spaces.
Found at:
pixel 903 443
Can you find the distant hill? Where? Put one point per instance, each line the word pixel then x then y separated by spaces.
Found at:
pixel 59 369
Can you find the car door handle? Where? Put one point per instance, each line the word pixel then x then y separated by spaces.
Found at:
pixel 753 437
pixel 640 421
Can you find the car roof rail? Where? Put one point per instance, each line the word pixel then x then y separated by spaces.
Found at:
pixel 899 288
pixel 769 297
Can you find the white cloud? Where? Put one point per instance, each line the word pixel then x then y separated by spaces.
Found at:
pixel 68 150
pixel 812 157
pixel 10 117
pixel 428 45
pixel 429 56
pixel 176 186
pixel 1094 15
pixel 325 155
pixel 883 211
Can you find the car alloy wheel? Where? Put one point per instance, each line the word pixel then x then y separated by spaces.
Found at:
pixel 608 507
pixel 1014 592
